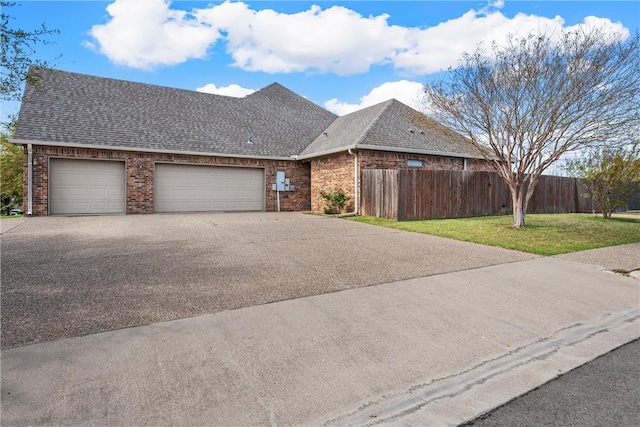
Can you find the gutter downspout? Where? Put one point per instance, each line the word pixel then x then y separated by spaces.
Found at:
pixel 29 179
pixel 355 185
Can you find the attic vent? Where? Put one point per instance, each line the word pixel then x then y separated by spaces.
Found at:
pixel 250 140
pixel 412 131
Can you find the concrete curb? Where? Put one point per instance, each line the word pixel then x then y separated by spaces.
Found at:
pixel 464 396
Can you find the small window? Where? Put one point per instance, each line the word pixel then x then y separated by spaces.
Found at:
pixel 414 163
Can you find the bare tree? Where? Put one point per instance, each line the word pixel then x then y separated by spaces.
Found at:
pixel 525 104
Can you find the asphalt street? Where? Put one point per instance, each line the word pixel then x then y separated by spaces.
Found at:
pixel 604 392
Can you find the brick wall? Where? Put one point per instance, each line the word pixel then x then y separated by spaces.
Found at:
pixel 299 175
pixel 479 165
pixel 326 173
pixel 336 171
pixel 389 160
pixel 140 170
pixel 329 174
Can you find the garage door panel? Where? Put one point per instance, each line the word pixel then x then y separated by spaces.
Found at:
pixel 78 206
pixel 86 187
pixel 191 188
pixel 115 193
pixel 100 206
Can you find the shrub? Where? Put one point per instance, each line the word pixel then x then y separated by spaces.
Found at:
pixel 335 199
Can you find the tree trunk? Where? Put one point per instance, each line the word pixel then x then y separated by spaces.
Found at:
pixel 517 198
pixel 605 205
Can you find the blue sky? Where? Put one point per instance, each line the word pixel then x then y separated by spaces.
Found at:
pixel 340 55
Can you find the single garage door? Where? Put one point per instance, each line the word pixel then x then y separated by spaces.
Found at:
pixel 189 188
pixel 86 187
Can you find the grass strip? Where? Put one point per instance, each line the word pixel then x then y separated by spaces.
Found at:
pixel 544 234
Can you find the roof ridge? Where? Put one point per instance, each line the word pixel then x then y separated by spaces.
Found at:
pixel 375 121
pixel 276 92
pixel 262 89
pixel 276 86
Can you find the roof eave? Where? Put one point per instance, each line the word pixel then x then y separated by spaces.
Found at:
pixel 391 149
pixel 145 150
pixel 245 156
pixel 419 151
pixel 327 152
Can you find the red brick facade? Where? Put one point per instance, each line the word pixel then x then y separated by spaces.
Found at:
pixel 140 172
pixel 337 171
pixel 309 177
pixel 331 173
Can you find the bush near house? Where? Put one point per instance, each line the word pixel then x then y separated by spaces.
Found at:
pixel 335 199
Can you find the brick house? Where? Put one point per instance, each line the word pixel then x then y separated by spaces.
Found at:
pixel 104 146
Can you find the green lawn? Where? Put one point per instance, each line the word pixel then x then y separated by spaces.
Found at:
pixel 10 216
pixel 545 234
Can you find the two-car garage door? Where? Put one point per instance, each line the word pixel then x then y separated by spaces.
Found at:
pixel 191 188
pixel 79 187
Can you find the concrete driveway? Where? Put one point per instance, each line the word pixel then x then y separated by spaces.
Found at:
pixel 73 276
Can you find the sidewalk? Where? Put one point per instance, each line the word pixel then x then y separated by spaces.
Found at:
pixel 8 224
pixel 437 350
pixel 621 258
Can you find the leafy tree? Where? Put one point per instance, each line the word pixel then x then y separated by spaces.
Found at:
pixel 18 50
pixel 525 104
pixel 11 159
pixel 612 175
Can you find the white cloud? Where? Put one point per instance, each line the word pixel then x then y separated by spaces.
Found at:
pixel 437 48
pixel 234 90
pixel 404 91
pixel 89 45
pixel 491 6
pixel 336 39
pixel 145 34
pixel 591 22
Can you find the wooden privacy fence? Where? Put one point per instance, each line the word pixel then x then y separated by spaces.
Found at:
pixel 413 194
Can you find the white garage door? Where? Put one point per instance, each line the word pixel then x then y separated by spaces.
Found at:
pixel 189 188
pixel 86 187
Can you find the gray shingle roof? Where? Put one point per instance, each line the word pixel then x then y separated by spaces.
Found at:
pixel 79 109
pixel 390 125
pixel 76 109
pixel 346 131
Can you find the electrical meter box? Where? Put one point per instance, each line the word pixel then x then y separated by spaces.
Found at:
pixel 282 183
